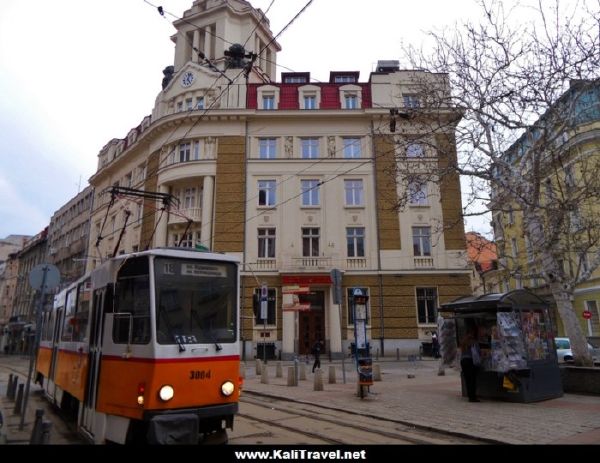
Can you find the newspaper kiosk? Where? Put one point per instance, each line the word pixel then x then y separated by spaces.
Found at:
pixel 514 331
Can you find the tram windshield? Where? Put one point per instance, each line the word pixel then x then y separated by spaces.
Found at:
pixel 195 301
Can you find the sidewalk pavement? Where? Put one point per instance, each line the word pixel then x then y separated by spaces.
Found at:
pixel 413 393
pixel 12 432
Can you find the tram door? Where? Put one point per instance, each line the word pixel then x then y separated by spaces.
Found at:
pixel 100 297
pixel 311 325
pixel 51 386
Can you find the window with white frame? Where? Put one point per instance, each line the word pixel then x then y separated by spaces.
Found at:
pixel 350 101
pixel 355 241
pixel 349 299
pixel 184 240
pixel 426 305
pixel 352 147
pixel 354 192
pixel 268 101
pixel 185 152
pixel 266 192
pixel 417 193
pixel 421 241
pixel 411 101
pixel 267 148
pixel 310 192
pixel 310 101
pixel 415 150
pixel 310 148
pixel 310 242
pixel 266 243
pixel 189 198
pixel 348 79
pixel 196 150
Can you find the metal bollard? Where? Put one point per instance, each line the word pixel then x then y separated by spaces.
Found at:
pixel 36 431
pixel 46 427
pixel 10 377
pixel 296 372
pixel 13 387
pixel 19 401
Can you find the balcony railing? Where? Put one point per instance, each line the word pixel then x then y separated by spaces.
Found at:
pixel 320 263
pixel 356 263
pixel 265 264
pixel 423 262
pixel 181 215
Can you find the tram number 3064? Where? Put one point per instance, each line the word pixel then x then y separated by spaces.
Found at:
pixel 199 374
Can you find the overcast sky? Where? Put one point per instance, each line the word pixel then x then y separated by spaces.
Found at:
pixel 76 73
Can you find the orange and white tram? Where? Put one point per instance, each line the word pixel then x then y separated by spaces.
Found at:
pixel 145 348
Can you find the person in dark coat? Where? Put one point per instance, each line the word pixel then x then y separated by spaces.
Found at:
pixel 470 359
pixel 316 351
pixel 435 345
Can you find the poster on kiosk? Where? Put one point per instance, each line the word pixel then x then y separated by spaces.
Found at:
pixel 361 352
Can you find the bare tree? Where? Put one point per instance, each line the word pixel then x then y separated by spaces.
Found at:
pixel 524 112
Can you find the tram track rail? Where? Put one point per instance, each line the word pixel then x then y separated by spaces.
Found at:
pixel 371 429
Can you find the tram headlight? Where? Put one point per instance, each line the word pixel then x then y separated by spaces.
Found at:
pixel 166 393
pixel 227 388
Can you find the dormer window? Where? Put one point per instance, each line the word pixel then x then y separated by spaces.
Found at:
pixel 351 97
pixel 310 101
pixel 268 102
pixel 268 97
pixel 310 97
pixel 295 77
pixel 344 79
pixel 411 101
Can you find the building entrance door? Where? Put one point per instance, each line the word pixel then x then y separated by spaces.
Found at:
pixel 311 325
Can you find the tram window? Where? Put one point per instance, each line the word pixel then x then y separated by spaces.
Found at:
pixel 71 299
pixel 81 317
pixel 132 296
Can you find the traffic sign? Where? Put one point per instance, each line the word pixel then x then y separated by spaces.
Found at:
pixel 46 275
pixel 587 314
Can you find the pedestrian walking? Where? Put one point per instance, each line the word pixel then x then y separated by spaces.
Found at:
pixel 470 359
pixel 316 351
pixel 435 345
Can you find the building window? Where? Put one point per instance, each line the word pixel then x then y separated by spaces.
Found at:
pixel 267 148
pixel 189 104
pixel 266 243
pixel 310 102
pixel 350 298
pixel 515 248
pixel 179 106
pixel 355 241
pixel 310 242
pixel 426 305
pixel 417 193
pixel 184 152
pixel 352 148
pixel 295 80
pixel 350 101
pixel 354 192
pixel 511 215
pixel 421 241
pixel 344 79
pixel 200 102
pixel 271 304
pixel 268 102
pixel 411 101
pixel 196 150
pixel 266 193
pixel 189 198
pixel 310 148
pixel 594 322
pixel 414 150
pixel 310 192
